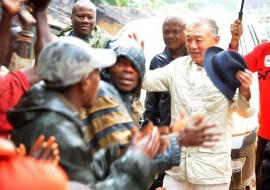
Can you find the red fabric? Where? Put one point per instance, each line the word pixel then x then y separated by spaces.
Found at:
pixel 27 173
pixel 12 87
pixel 259 60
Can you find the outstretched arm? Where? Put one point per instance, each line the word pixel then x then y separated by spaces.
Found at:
pixel 42 27
pixel 43 36
pixel 10 8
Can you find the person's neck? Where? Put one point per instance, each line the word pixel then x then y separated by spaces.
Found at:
pixel 73 99
pixel 179 52
pixel 83 37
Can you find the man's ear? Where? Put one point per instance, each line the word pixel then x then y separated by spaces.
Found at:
pixel 217 38
pixel 85 84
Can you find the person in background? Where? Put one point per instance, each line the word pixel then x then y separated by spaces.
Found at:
pixel 258 60
pixel 83 19
pixel 158 104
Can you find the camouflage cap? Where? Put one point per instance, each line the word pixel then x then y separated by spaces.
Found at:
pixel 67 60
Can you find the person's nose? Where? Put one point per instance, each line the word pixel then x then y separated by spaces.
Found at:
pixel 128 68
pixel 86 20
pixel 193 44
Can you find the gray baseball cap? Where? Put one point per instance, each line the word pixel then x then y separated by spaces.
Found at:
pixel 68 59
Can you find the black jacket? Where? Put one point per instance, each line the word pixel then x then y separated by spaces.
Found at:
pixel 158 104
pixel 41 111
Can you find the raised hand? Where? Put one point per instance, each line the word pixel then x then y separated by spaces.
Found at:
pixel 7 148
pixel 134 37
pixel 42 149
pixel 245 79
pixel 39 5
pixel 26 19
pixel 236 32
pixel 12 6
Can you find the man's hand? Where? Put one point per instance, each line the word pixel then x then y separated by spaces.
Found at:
pixel 236 32
pixel 198 133
pixel 26 19
pixel 148 143
pixel 44 150
pixel 134 37
pixel 12 6
pixel 245 79
pixel 39 5
pixel 161 188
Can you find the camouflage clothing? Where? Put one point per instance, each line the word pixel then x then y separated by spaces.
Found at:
pixel 97 39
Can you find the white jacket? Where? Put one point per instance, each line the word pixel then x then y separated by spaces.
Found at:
pixel 192 92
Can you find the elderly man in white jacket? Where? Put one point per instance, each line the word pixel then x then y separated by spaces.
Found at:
pixel 192 92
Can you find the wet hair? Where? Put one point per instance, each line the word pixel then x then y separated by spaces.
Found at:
pixel 83 2
pixel 210 22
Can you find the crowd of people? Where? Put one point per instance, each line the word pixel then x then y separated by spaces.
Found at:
pixel 69 106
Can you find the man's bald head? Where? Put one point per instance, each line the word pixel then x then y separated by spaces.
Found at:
pixel 173 33
pixel 86 3
pixel 83 18
pixel 175 19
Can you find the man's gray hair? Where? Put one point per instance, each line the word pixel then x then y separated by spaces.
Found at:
pixel 176 18
pixel 210 22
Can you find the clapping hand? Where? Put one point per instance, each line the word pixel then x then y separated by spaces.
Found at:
pixel 42 149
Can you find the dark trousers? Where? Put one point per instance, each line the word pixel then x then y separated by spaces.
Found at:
pixel 261 144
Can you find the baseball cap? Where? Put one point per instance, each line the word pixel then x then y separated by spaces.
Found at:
pixel 68 59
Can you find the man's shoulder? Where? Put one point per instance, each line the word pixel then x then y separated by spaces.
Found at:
pixel 160 60
pixel 107 90
pixel 181 62
pixel 108 100
pixel 100 38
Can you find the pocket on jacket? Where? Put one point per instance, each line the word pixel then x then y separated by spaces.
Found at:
pixel 214 165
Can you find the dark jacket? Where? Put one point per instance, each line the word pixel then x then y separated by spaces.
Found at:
pixel 41 111
pixel 158 104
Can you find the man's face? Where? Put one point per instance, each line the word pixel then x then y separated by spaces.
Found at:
pixel 198 39
pixel 173 34
pixel 83 20
pixel 90 88
pixel 123 75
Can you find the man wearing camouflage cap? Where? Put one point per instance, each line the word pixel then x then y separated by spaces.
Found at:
pixel 70 70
